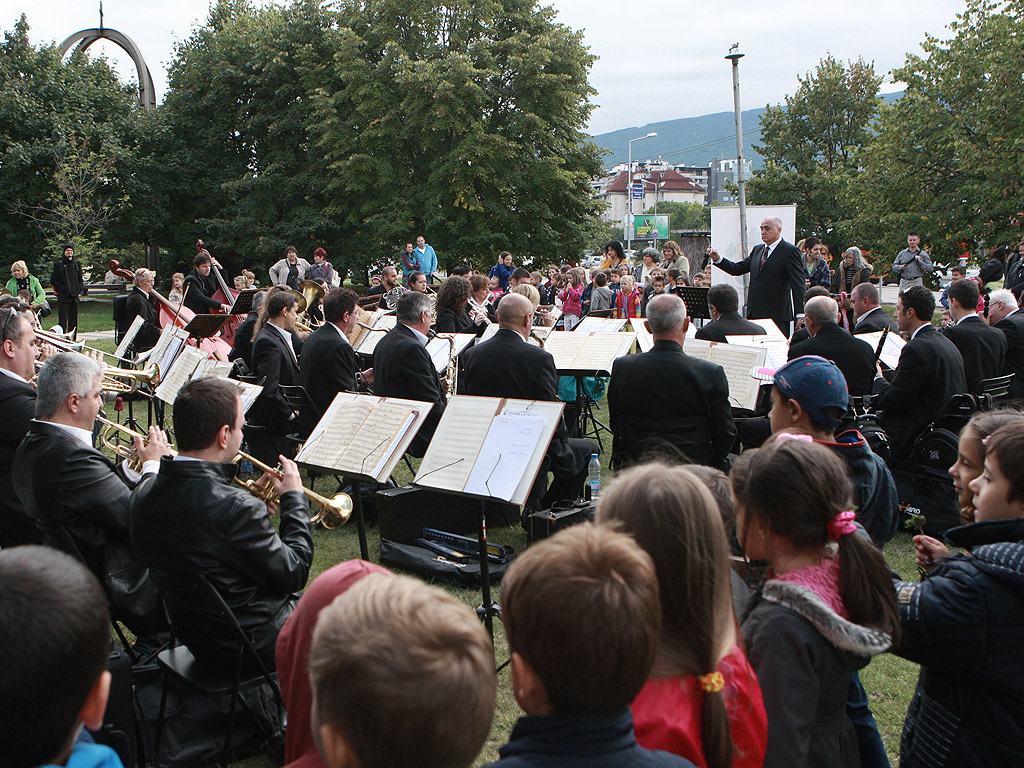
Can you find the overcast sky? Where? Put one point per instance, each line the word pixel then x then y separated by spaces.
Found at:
pixel 658 59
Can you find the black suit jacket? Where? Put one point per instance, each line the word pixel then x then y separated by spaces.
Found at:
pixel 328 366
pixel 402 368
pixel 729 324
pixel 930 372
pixel 669 382
pixel 982 348
pixel 272 361
pixel 139 304
pixel 80 503
pixel 450 321
pixel 506 366
pixel 1012 327
pixel 776 290
pixel 875 320
pixel 17 406
pixel 855 358
pixel 200 291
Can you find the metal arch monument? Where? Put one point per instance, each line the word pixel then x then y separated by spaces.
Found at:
pixel 86 37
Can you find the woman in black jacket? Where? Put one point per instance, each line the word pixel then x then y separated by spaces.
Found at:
pixel 991 274
pixel 452 308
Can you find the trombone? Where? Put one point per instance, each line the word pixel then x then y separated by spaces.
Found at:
pixel 65 344
pixel 332 513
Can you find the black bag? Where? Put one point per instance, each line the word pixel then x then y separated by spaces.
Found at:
pixel 928 491
pixel 547 522
pixel 426 562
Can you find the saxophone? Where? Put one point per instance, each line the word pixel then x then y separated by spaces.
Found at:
pixel 535 335
pixel 451 374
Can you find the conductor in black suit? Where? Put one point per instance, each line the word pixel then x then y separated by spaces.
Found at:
pixel 869 313
pixel 329 364
pixel 403 368
pixel 275 361
pixel 853 357
pixel 140 304
pixel 724 305
pixel 1004 314
pixel 929 373
pixel 777 276
pixel 507 366
pixel 982 348
pixel 647 391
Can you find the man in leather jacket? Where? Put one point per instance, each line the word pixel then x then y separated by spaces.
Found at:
pixel 76 495
pixel 190 518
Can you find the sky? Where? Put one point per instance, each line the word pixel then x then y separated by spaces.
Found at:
pixel 658 59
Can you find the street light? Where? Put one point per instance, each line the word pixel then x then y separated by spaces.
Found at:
pixel 629 190
pixel 734 56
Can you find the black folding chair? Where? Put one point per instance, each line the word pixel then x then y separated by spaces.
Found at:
pixel 997 387
pixel 212 678
pixel 682 440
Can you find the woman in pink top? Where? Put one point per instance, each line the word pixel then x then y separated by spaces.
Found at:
pixel 702 700
pixel 571 297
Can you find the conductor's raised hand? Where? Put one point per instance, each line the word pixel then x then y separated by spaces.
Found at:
pixel 289 480
pixel 714 254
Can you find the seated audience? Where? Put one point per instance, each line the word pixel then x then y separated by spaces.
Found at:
pixel 54 647
pixel 596 591
pixel 402 676
pixel 963 625
pixel 192 518
pixel 723 306
pixel 702 700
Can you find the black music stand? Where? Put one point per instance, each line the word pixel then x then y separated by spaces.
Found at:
pixel 696 300
pixel 585 406
pixel 242 304
pixel 205 326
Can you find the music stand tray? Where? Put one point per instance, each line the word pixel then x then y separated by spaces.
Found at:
pixel 696 300
pixel 242 304
pixel 205 326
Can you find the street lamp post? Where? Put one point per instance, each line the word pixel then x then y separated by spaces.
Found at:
pixel 629 190
pixel 734 56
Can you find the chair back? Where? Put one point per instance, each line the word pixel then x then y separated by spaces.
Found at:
pixel 648 438
pixel 997 387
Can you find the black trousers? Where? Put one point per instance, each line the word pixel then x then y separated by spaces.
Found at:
pixel 67 314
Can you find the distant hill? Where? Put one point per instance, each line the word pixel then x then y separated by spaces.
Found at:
pixel 691 140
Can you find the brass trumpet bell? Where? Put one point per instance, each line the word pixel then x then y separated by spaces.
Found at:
pixel 149 375
pixel 312 292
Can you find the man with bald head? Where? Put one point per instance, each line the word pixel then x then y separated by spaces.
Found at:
pixel 665 401
pixel 777 276
pixel 508 366
pixel 855 358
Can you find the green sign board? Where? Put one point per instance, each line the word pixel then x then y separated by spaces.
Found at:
pixel 650 226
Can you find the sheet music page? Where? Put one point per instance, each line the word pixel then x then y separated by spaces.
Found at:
pixel 776 350
pixel 552 414
pixel 370 446
pixel 770 327
pixel 213 368
pixel 249 394
pixel 176 378
pixel 737 363
pixel 385 322
pixel 891 350
pixel 600 351
pixel 600 325
pixel 167 347
pixel 129 336
pixel 369 342
pixel 439 349
pixel 505 454
pixel 449 458
pixel 644 338
pixel 564 346
pixel 327 443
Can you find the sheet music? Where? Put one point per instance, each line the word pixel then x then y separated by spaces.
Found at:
pixel 439 349
pixel 600 325
pixel 564 346
pixel 213 368
pixel 600 351
pixel 770 327
pixel 462 430
pixel 505 454
pixel 249 394
pixel 129 337
pixel 371 445
pixel 776 350
pixel 369 342
pixel 891 350
pixel 172 339
pixel 644 338
pixel 385 321
pixel 737 362
pixel 182 368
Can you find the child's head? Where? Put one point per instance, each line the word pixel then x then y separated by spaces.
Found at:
pixel 177 279
pixel 658 283
pixel 495 282
pixel 402 675
pixel 628 283
pixel 999 490
pixel 810 395
pixel 54 644
pixel 615 276
pixel 794 496
pixel 970 458
pixel 596 591
pixel 600 279
pixel 670 512
pixel 718 483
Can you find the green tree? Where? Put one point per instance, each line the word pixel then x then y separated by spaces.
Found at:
pixel 811 146
pixel 949 158
pixel 685 216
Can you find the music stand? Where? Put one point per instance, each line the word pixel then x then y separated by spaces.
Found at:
pixel 696 300
pixel 242 304
pixel 205 326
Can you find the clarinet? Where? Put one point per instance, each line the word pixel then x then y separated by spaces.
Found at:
pixel 881 343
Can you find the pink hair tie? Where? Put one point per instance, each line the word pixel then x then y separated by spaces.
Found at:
pixel 841 524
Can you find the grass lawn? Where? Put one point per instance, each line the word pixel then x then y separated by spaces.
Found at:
pixel 93 315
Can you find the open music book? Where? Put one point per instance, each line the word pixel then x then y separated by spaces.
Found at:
pixel 172 339
pixel 249 394
pixel 129 336
pixel 600 325
pixel 489 447
pixel 587 353
pixel 213 368
pixel 366 339
pixel 891 350
pixel 644 338
pixel 541 331
pixel 440 349
pixel 179 374
pixel 737 362
pixel 363 435
pixel 776 350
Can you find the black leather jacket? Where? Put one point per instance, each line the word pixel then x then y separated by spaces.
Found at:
pixel 190 518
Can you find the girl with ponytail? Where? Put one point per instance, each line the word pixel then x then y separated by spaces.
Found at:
pixel 827 606
pixel 702 700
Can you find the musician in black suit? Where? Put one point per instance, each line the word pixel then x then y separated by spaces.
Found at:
pixel 201 286
pixel 724 305
pixel 869 313
pixel 507 366
pixel 75 494
pixel 983 348
pixel 66 279
pixel 403 368
pixel 853 357
pixel 140 304
pixel 18 344
pixel 275 361
pixel 1004 314
pixel 329 364
pixel 665 383
pixel 777 276
pixel 929 373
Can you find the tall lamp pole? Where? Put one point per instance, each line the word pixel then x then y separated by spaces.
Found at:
pixel 735 56
pixel 629 191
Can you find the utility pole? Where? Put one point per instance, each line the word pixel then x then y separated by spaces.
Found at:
pixel 735 56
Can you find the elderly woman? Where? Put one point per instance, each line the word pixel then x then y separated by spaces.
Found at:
pixel 289 271
pixel 140 304
pixel 453 308
pixel 23 281
pixel 853 271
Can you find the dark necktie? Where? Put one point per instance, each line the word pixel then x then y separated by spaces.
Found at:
pixel 764 255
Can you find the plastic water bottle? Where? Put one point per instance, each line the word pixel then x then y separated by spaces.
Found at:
pixel 594 477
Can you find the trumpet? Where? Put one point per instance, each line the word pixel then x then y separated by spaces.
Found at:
pixel 333 512
pixel 149 375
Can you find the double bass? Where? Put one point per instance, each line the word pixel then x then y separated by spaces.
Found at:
pixel 225 295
